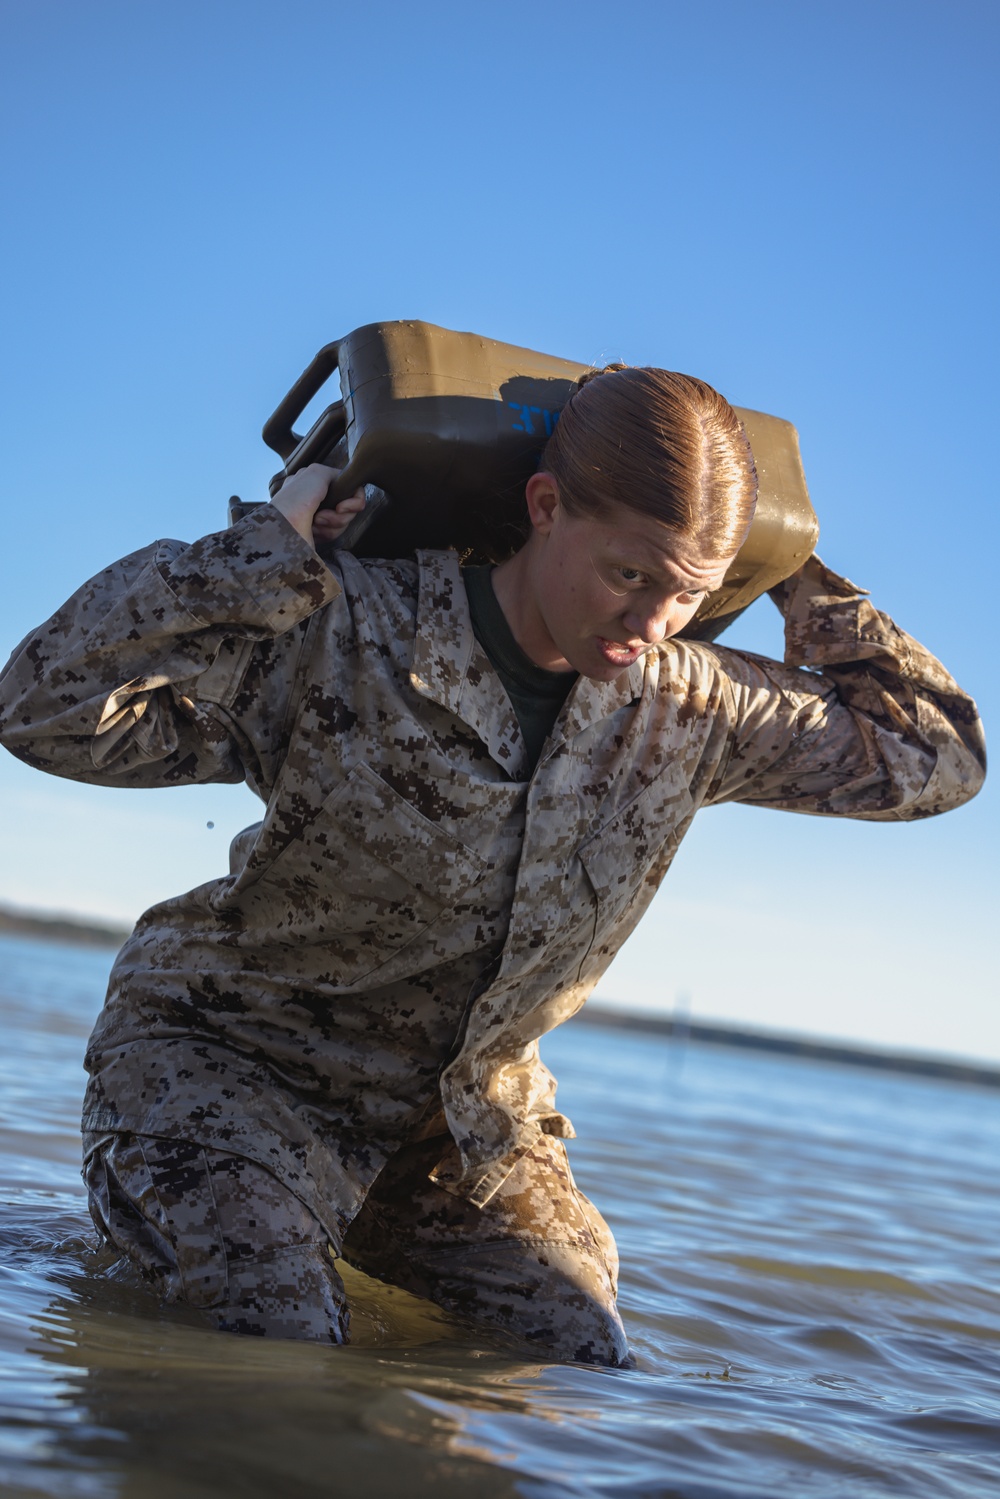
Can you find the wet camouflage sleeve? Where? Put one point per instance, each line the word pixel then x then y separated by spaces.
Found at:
pixel 171 666
pixel 873 728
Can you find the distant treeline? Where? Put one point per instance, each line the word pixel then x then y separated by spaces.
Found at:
pixel 681 1031
pixel 61 928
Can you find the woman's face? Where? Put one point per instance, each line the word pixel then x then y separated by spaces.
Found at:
pixel 604 588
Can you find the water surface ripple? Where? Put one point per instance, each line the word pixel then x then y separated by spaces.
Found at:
pixel 810 1271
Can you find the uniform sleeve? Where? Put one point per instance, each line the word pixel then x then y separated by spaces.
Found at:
pixel 172 666
pixel 861 721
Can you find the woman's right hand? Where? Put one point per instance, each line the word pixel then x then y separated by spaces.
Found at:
pixel 300 497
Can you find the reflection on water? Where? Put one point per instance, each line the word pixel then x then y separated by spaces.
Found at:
pixel 810 1258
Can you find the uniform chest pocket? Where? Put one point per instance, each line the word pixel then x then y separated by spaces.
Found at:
pixel 625 861
pixel 363 878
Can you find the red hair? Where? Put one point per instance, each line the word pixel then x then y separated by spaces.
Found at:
pixel 664 444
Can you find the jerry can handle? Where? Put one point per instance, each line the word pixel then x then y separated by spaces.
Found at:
pixel 277 432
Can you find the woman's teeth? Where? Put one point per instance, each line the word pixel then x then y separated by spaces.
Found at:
pixel 619 653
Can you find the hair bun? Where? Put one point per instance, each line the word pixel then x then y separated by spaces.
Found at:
pixel 608 369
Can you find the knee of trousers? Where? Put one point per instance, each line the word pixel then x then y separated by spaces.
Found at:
pixel 553 1297
pixel 219 1233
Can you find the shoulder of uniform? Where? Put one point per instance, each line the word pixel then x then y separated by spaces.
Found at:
pixel 397 577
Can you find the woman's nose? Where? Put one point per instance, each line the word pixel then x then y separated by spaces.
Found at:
pixel 650 624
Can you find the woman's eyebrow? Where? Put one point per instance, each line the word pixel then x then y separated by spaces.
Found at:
pixel 625 553
pixel 678 581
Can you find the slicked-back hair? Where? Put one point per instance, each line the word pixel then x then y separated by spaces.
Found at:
pixel 663 444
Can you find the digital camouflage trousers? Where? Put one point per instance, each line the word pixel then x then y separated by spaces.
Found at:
pixel 537 1264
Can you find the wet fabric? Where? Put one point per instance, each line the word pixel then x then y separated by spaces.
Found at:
pixel 537 1263
pixel 536 695
pixel 219 1233
pixel 537 1267
pixel 418 906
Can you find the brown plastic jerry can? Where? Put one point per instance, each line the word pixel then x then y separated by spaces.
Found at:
pixel 451 426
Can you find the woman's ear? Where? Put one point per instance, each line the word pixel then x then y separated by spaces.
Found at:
pixel 542 495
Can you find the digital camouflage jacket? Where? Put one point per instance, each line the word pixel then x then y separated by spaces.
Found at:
pixel 414 910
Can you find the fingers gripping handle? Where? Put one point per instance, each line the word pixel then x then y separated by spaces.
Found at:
pixel 376 500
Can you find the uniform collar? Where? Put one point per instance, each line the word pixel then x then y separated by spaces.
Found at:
pixel 451 668
pixel 590 702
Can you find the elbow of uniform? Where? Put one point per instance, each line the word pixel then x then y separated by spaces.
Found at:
pixel 37 745
pixel 976 759
pixel 14 735
pixel 18 720
pixel 958 776
pixel 22 748
pixel 956 741
pixel 970 752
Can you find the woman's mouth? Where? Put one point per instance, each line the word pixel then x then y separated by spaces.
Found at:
pixel 619 655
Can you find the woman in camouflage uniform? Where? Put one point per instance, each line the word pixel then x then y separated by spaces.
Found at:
pixel 473 785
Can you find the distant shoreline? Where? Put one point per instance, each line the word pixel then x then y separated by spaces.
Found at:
pixel 844 1053
pixel 57 928
pixel 75 931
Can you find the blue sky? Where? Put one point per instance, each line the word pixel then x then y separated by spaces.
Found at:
pixel 795 201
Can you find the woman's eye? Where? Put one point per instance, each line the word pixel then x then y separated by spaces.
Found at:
pixel 629 574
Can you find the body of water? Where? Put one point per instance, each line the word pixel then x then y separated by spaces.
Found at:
pixel 810 1263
